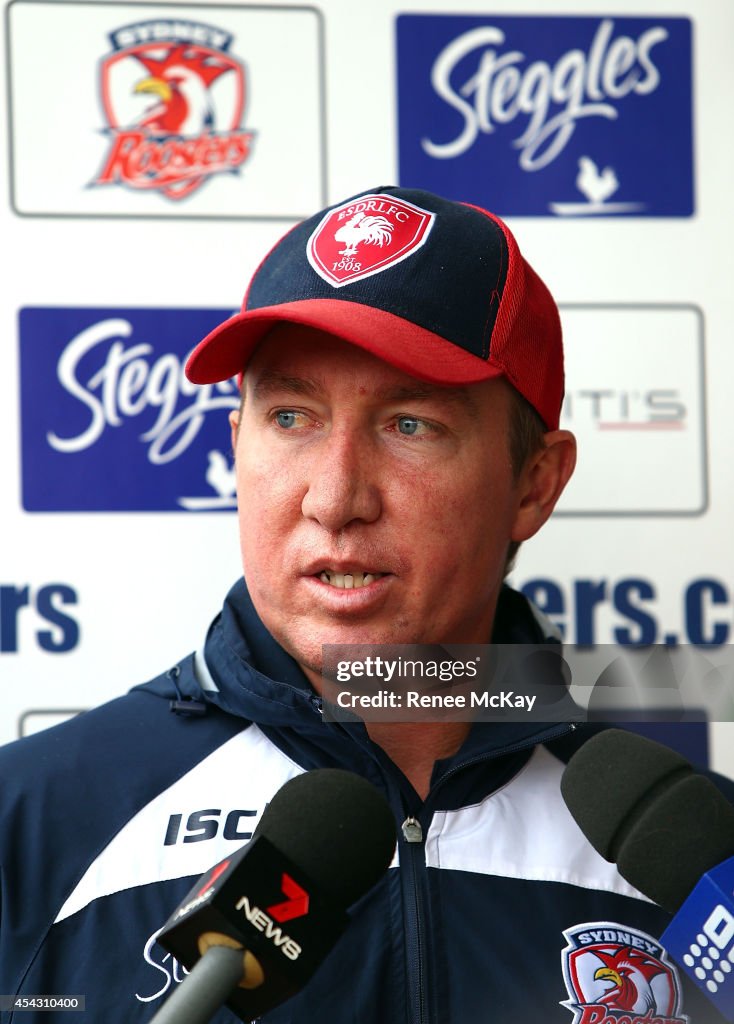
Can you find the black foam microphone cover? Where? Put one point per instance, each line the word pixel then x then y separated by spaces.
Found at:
pixel 323 841
pixel 642 806
pixel 336 826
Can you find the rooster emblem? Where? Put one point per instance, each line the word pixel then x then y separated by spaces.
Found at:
pixel 361 228
pixel 220 475
pixel 174 109
pixel 596 185
pixel 619 973
pixel 384 229
pixel 181 83
pixel 631 973
pixel 222 478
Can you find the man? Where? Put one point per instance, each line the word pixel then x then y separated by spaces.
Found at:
pixel 396 441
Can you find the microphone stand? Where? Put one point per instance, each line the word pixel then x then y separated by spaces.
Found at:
pixel 207 987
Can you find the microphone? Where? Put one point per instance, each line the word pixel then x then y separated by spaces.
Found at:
pixel 257 925
pixel 670 832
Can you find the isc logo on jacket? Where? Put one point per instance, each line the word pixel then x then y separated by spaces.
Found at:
pixel 619 975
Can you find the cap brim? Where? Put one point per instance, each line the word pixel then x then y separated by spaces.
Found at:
pixel 225 352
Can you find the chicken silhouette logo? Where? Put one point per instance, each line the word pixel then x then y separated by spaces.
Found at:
pixel 598 186
pixel 221 477
pixel 366 236
pixel 174 108
pixel 617 974
pixel 361 228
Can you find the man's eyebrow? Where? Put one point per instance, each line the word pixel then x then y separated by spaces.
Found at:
pixel 419 390
pixel 271 381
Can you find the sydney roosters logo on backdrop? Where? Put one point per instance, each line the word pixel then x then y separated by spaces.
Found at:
pixel 173 99
pixel 619 975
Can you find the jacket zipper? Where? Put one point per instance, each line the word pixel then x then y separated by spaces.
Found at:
pixel 413 853
pixel 414 847
pixel 415 862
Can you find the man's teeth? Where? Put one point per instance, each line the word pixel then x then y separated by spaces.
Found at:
pixel 350 580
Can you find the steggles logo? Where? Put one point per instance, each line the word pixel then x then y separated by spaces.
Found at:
pixel 508 86
pixel 173 98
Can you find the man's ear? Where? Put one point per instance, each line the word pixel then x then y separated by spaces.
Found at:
pixel 234 425
pixel 542 481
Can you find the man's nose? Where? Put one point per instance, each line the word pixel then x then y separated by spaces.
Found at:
pixel 342 483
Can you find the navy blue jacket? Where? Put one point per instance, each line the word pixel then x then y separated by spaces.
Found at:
pixel 499 911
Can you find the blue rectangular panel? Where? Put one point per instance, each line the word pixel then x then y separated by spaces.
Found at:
pixel 701 936
pixel 548 116
pixel 110 423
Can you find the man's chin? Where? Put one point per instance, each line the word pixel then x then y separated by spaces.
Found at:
pixel 309 654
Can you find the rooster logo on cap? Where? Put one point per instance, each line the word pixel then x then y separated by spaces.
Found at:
pixel 361 228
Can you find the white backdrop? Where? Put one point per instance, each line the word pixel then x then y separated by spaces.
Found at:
pixel 95 597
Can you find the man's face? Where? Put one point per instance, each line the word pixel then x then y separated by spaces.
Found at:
pixel 349 467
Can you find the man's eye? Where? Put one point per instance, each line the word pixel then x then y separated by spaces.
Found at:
pixel 409 425
pixel 285 418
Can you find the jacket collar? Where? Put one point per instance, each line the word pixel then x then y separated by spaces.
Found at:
pixel 256 679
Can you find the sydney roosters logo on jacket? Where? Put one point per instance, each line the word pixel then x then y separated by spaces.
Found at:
pixel 619 975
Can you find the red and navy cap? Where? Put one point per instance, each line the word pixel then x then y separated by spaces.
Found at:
pixel 436 288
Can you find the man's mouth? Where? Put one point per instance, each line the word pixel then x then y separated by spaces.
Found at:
pixel 349 580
